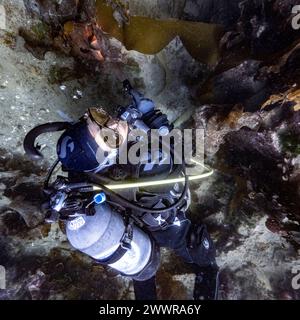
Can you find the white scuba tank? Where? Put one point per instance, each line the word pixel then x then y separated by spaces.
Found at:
pixel 99 236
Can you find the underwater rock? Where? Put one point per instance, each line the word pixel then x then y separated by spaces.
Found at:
pixel 219 120
pixel 263 29
pixel 251 81
pixel 221 12
pixel 65 26
pixel 259 268
pixel 180 66
pixel 258 149
pixel 146 72
pixel 85 41
pixel 38 38
pixel 23 190
pixel 53 12
pixel 58 273
pixel 11 222
pixel 259 157
pixel 157 9
pixel 238 85
pixel 34 284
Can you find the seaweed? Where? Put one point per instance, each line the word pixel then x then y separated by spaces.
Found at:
pixel 149 36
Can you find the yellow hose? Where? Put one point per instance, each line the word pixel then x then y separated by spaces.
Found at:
pixel 158 182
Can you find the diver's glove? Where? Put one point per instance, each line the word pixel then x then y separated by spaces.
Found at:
pixel 141 114
pixel 141 103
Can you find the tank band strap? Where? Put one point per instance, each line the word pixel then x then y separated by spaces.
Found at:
pixel 125 245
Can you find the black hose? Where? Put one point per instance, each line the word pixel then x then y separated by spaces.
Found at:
pixel 49 174
pixel 134 206
pixel 29 141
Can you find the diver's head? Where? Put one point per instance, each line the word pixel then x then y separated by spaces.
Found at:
pixel 92 144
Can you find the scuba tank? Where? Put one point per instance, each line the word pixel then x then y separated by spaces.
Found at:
pixel 106 238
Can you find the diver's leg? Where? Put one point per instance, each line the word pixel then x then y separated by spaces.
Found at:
pixel 206 283
pixel 199 250
pixel 203 253
pixel 145 290
pixel 194 245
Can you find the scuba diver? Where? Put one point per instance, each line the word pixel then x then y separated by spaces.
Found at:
pixel 122 213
